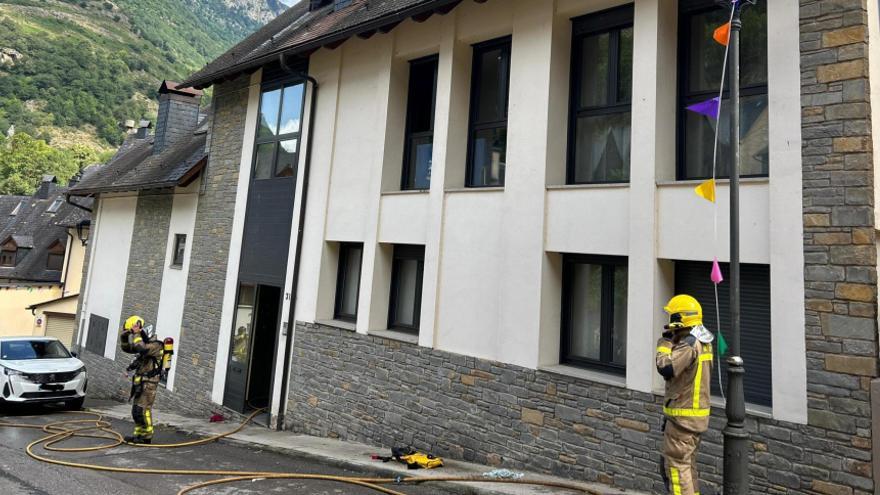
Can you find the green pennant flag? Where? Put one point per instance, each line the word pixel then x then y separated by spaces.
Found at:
pixel 722 345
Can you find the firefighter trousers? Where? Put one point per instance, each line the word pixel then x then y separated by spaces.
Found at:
pixel 142 411
pixel 680 460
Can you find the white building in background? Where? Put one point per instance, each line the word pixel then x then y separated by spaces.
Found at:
pixel 454 224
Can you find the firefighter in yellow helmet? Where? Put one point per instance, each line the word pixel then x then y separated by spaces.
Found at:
pixel 147 368
pixel 684 359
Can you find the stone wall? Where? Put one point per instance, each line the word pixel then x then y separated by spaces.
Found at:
pixel 385 392
pixel 210 250
pixel 839 241
pixel 207 274
pixel 146 260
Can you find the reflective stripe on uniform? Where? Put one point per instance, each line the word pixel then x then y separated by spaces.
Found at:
pixel 676 481
pixel 689 413
pixel 664 350
pixel 698 379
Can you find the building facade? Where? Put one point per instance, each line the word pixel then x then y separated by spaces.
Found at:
pixel 42 246
pixel 454 225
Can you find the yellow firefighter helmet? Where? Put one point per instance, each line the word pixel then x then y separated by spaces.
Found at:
pixel 132 321
pixel 684 312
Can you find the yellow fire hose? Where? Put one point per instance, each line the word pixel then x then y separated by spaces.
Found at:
pixel 98 428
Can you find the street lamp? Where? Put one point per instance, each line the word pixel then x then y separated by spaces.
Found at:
pixel 736 461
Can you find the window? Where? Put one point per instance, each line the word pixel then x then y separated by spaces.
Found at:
pixel 179 250
pixel 490 84
pixel 407 270
pixel 594 295
pixel 55 256
pixel 601 95
pixel 348 281
pixel 420 105
pixel 693 278
pixel 53 208
pixel 7 257
pixel 276 152
pixel 702 61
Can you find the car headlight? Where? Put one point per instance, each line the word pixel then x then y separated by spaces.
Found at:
pixel 81 371
pixel 11 372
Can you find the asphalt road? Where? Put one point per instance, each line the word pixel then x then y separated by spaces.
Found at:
pixel 20 475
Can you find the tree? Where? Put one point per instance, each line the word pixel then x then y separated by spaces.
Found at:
pixel 24 160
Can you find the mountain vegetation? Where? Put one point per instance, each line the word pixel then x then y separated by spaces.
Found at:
pixel 73 71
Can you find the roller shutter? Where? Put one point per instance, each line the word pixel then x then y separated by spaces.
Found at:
pixel 60 327
pixel 693 278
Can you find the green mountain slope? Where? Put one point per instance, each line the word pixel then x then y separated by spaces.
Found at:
pixel 72 70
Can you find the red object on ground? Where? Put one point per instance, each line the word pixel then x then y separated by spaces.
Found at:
pixel 217 418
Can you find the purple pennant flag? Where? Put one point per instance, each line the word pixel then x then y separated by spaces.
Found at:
pixel 709 108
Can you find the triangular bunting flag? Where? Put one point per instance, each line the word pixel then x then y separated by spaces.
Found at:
pixel 722 345
pixel 709 108
pixel 722 34
pixel 716 275
pixel 706 190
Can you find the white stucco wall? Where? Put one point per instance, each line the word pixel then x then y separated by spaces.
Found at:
pixel 492 277
pixel 108 266
pixel 173 292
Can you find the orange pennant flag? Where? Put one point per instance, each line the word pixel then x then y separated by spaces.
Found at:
pixel 706 190
pixel 722 34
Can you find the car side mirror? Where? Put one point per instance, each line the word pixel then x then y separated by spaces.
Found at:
pixel 74 354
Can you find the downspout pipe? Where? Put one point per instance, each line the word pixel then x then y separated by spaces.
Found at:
pixel 291 318
pixel 67 255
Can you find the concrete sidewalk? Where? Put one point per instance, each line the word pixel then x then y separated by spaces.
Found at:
pixel 353 455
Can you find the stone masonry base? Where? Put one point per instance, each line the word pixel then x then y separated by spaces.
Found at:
pixel 386 392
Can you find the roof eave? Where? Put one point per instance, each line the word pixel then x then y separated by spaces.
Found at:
pixel 206 81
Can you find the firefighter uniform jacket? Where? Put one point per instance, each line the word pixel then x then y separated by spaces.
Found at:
pixel 686 364
pixel 150 352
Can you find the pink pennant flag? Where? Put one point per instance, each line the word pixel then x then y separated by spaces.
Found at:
pixel 716 276
pixel 709 108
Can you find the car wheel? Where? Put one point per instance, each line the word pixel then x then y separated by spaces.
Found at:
pixel 75 404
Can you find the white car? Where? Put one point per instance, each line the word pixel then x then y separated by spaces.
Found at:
pixel 40 370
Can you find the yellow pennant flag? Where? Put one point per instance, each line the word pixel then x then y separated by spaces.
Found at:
pixel 706 190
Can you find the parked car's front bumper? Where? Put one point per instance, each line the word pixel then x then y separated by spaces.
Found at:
pixel 18 389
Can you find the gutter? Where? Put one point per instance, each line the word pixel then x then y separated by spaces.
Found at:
pixel 291 319
pixel 375 24
pixel 67 197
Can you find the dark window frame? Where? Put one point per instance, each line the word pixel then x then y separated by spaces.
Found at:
pixel 686 97
pixel 755 290
pixel 278 138
pixel 608 263
pixel 504 42
pixel 175 261
pixel 55 252
pixel 408 170
pixel 5 256
pixel 341 271
pixel 406 252
pixel 607 21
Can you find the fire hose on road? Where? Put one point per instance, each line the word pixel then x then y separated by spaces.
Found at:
pixel 95 427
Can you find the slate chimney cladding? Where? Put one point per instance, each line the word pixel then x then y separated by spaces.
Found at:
pixel 178 114
pixel 48 185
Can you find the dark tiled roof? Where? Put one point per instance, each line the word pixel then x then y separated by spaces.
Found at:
pixel 298 31
pixel 135 168
pixel 35 228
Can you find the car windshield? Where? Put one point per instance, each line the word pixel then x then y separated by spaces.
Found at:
pixel 33 349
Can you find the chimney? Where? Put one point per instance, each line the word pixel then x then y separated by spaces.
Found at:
pixel 178 114
pixel 47 187
pixel 143 131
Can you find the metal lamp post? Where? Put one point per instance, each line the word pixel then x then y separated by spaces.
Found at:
pixel 736 462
